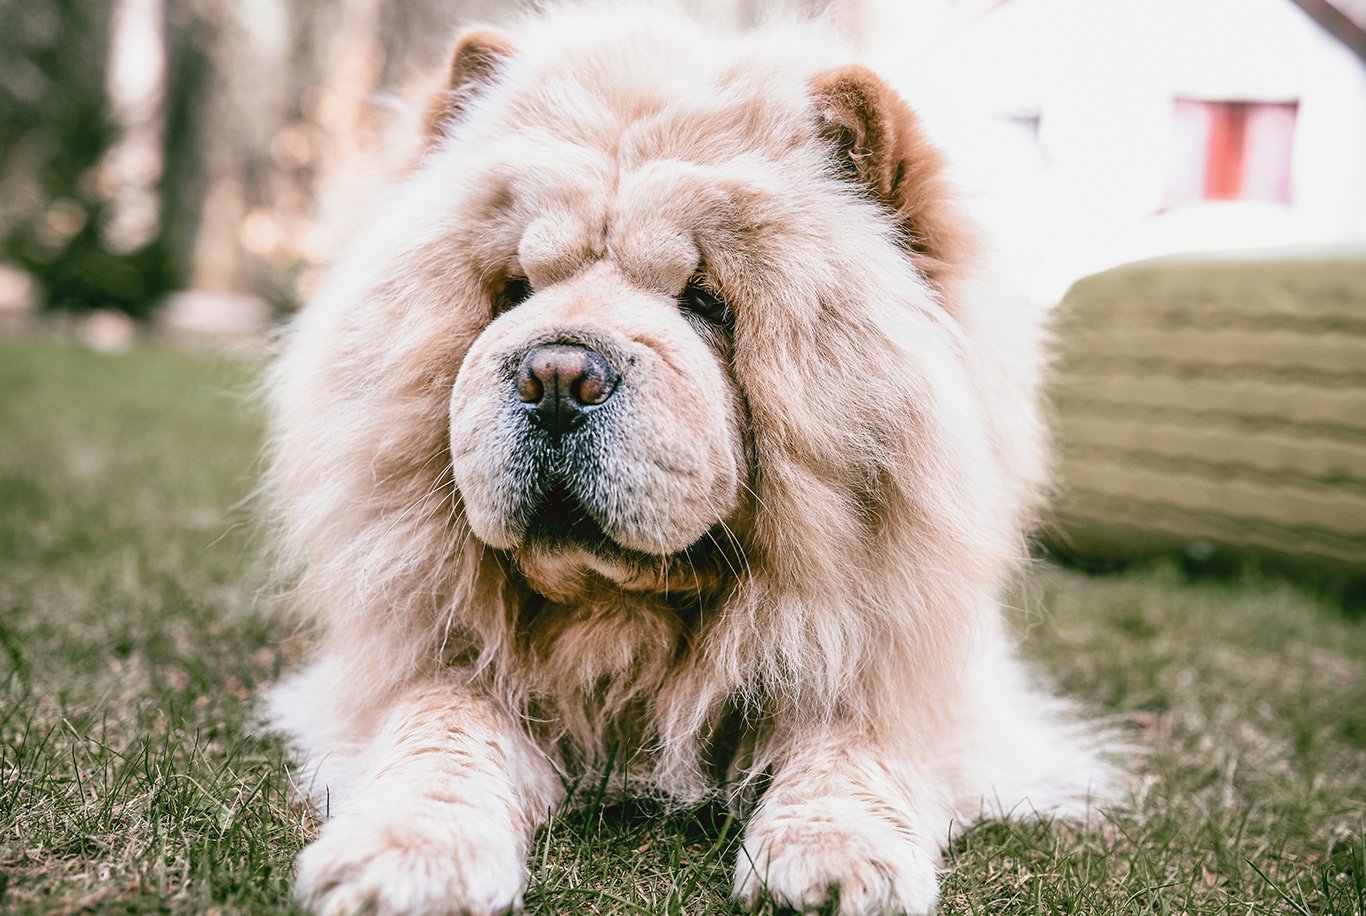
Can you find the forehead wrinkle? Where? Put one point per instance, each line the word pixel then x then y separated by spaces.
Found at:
pixel 561 202
pixel 656 212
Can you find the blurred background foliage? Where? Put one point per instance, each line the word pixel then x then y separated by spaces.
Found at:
pixel 57 126
pixel 148 147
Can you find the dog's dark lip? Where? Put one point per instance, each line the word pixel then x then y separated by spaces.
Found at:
pixel 560 520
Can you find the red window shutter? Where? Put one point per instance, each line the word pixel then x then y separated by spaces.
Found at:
pixel 1224 158
pixel 1231 150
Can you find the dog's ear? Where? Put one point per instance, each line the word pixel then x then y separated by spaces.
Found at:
pixel 878 143
pixel 478 55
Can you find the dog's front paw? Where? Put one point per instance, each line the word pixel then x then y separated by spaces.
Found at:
pixel 451 864
pixel 805 855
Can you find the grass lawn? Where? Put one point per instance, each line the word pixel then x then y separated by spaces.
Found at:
pixel 133 636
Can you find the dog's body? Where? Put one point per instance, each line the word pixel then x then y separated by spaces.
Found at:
pixel 663 417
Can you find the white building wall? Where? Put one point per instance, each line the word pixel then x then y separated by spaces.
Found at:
pixel 1101 75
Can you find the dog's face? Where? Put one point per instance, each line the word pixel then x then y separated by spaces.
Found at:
pixel 596 419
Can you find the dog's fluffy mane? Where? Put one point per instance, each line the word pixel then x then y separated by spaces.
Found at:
pixel 896 468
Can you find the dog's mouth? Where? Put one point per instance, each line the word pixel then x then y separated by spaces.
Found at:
pixel 561 530
pixel 561 520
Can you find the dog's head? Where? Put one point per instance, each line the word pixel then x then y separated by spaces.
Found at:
pixel 652 255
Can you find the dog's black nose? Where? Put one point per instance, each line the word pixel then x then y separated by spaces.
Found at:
pixel 559 383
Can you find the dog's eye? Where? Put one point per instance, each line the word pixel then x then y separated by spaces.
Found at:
pixel 705 304
pixel 514 291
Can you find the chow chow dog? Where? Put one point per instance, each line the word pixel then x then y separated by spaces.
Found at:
pixel 663 428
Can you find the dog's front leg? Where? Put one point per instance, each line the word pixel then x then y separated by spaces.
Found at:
pixel 841 818
pixel 441 818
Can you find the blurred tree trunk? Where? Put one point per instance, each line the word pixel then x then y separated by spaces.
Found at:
pixel 345 116
pixel 132 168
pixel 247 101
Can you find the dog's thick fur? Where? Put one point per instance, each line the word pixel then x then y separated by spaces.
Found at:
pixel 808 506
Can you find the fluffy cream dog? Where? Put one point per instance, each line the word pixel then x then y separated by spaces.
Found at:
pixel 661 426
